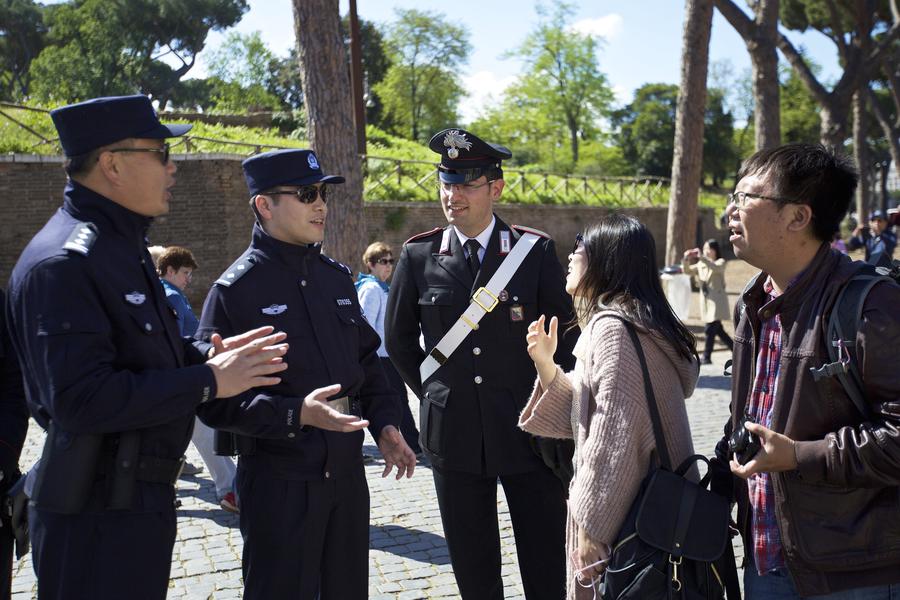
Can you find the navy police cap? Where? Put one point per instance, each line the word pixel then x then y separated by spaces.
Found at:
pixel 876 214
pixel 88 125
pixel 284 167
pixel 465 156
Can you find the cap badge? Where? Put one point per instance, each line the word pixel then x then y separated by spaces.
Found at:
pixel 454 140
pixel 313 162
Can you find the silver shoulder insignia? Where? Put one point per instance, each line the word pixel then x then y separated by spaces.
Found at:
pixel 237 270
pixel 82 238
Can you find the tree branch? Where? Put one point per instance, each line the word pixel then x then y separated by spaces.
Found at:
pixel 743 24
pixel 803 71
pixel 837 31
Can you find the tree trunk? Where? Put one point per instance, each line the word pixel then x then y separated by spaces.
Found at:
pixel 573 140
pixel 759 35
pixel 861 155
pixel 329 112
pixel 687 165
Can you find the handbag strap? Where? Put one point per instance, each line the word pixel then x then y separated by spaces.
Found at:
pixel 661 449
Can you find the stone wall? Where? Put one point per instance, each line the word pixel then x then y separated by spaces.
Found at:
pixel 209 214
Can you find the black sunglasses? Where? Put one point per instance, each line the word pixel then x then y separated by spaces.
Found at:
pixel 579 241
pixel 306 194
pixel 385 261
pixel 164 151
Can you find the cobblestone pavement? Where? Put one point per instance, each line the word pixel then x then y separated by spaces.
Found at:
pixel 408 556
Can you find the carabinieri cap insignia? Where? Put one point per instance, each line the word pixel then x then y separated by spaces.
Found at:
pixel 456 140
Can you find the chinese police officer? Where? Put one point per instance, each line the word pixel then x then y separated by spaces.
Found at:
pixel 105 369
pixel 472 288
pixel 301 483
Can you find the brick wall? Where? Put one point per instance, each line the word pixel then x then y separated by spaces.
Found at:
pixel 209 214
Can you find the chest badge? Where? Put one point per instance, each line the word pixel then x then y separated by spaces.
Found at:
pixel 505 243
pixel 274 309
pixel 503 296
pixel 135 298
pixel 516 313
pixel 343 301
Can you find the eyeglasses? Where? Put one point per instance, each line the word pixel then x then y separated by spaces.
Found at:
pixel 164 151
pixel 385 261
pixel 306 194
pixel 579 242
pixel 740 198
pixel 463 187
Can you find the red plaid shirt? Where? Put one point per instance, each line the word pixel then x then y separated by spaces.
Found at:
pixel 764 524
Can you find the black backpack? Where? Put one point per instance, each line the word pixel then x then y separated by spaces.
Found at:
pixel 843 325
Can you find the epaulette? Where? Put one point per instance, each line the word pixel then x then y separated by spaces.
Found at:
pixel 423 234
pixel 524 229
pixel 337 265
pixel 238 269
pixel 82 238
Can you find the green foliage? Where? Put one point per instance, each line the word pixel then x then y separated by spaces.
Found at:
pixel 375 63
pixel 98 47
pixel 800 120
pixel 647 129
pixel 562 81
pixel 719 154
pixel 22 37
pixel 421 88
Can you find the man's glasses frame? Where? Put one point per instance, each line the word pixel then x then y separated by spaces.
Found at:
pixel 164 151
pixel 740 198
pixel 306 194
pixel 463 187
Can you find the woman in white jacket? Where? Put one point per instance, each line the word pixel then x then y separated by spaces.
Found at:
pixel 709 269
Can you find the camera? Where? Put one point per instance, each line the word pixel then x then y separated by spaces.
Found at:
pixel 743 444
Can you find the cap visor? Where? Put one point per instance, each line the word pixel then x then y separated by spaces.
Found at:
pixel 163 131
pixel 456 177
pixel 315 179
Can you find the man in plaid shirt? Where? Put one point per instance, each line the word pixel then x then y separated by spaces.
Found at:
pixel 819 503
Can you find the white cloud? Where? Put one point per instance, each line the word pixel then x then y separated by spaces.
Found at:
pixel 623 94
pixel 607 27
pixel 483 89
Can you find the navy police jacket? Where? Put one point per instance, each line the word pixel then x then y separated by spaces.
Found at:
pixel 98 344
pixel 309 296
pixel 13 411
pixel 470 406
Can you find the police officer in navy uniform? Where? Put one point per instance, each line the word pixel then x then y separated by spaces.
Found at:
pixel 13 427
pixel 470 405
pixel 105 369
pixel 301 482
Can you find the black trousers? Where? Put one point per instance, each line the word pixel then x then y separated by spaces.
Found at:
pixel 711 331
pixel 6 557
pixel 408 423
pixel 111 555
pixel 304 540
pixel 537 507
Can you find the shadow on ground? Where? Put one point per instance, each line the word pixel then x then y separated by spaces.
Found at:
pixel 414 544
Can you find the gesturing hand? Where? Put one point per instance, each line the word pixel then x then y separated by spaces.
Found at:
pixel 542 345
pixel 237 341
pixel 396 453
pixel 316 413
pixel 249 366
pixel 775 455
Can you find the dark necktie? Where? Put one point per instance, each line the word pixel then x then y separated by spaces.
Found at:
pixel 472 247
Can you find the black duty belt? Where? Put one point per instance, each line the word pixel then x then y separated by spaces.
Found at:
pixel 151 469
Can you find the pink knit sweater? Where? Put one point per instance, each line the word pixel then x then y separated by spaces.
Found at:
pixel 602 405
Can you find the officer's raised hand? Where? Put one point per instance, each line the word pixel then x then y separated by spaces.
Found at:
pixel 395 452
pixel 249 366
pixel 220 345
pixel 316 413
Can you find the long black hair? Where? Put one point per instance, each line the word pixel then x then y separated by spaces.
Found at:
pixel 622 273
pixel 713 244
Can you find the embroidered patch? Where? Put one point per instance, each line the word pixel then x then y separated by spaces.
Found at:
pixel 135 298
pixel 274 309
pixel 343 301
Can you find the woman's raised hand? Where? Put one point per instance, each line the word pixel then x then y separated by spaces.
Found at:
pixel 541 344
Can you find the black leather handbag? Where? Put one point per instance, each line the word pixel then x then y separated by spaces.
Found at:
pixel 675 542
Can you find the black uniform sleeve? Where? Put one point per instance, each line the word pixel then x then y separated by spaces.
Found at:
pixel 255 413
pixel 13 410
pixel 69 347
pixel 553 300
pixel 401 324
pixel 380 402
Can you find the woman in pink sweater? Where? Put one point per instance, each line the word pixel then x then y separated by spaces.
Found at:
pixel 612 275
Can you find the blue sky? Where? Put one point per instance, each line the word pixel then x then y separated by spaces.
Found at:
pixel 643 39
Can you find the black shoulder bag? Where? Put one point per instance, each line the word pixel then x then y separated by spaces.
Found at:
pixel 675 542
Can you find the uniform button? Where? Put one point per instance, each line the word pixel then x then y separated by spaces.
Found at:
pixel 327 474
pixel 292 435
pixel 148 327
pixel 515 298
pixel 303 282
pixel 478 379
pixel 476 350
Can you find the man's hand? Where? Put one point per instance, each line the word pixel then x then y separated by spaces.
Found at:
pixel 252 365
pixel 316 413
pixel 775 455
pixel 396 453
pixel 220 345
